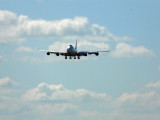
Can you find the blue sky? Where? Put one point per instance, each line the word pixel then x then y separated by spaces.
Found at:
pixel 114 86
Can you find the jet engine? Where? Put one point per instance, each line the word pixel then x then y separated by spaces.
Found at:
pixel 48 53
pixel 96 53
pixel 85 54
pixel 57 54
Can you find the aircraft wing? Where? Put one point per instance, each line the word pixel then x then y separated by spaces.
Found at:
pixel 84 53
pixel 51 52
pixel 96 52
pixel 57 53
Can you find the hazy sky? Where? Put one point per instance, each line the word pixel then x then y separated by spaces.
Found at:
pixel 121 85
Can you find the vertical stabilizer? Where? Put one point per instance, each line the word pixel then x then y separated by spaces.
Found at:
pixel 76 45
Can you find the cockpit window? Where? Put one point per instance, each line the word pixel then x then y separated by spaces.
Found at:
pixel 70 46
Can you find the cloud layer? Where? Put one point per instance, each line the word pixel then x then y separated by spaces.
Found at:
pixel 126 50
pixel 154 85
pixel 53 93
pixel 50 101
pixel 16 29
pixel 7 82
pixel 22 30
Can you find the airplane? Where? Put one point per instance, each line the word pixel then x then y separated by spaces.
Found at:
pixel 72 52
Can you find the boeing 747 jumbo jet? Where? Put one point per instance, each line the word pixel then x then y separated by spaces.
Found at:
pixel 72 52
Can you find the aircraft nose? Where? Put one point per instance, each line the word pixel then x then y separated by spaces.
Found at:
pixel 70 48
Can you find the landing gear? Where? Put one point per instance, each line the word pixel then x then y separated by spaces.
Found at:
pixel 70 57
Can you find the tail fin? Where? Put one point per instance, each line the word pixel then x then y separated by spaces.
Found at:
pixel 76 45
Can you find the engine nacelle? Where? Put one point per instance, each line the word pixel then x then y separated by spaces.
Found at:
pixel 48 53
pixel 96 53
pixel 57 54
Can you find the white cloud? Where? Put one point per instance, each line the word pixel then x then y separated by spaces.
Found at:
pixel 39 58
pixel 154 85
pixel 53 93
pixel 58 46
pixel 7 17
pixel 93 46
pixel 126 50
pixel 10 31
pixel 7 82
pixel 141 99
pixel 139 105
pixel 60 108
pixel 16 29
pixel 61 27
pixel 49 101
pixel 25 49
pixel 7 86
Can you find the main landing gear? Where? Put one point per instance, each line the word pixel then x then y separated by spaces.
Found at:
pixel 70 57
